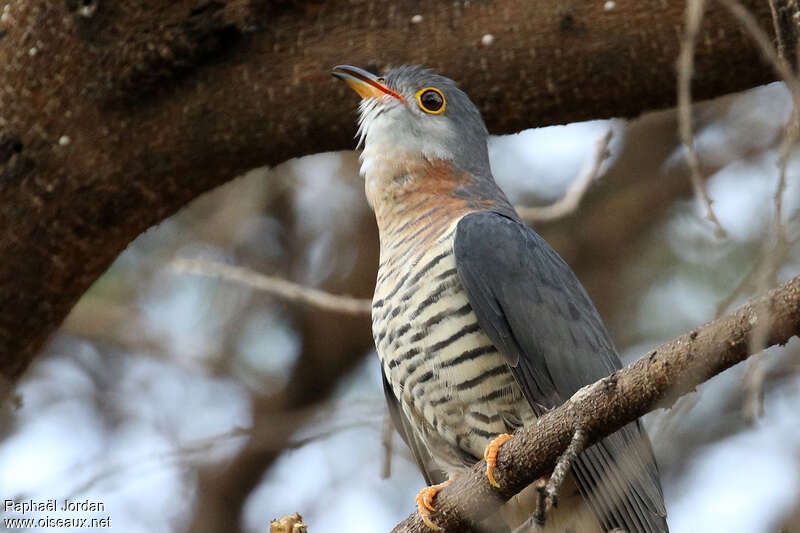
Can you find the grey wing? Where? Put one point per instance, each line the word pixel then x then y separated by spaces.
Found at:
pixel 430 472
pixel 538 315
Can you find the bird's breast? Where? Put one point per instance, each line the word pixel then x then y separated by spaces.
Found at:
pixel 452 383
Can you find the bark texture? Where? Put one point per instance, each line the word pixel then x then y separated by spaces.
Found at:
pixel 115 114
pixel 656 380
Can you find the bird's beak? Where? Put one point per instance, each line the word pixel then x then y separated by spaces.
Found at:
pixel 366 84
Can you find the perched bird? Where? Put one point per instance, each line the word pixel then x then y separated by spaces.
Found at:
pixel 479 325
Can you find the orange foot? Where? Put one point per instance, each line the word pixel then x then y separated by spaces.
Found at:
pixel 490 456
pixel 425 503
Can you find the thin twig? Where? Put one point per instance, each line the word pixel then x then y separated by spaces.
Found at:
pixel 273 285
pixel 548 493
pixel 565 462
pixel 774 255
pixel 775 251
pixel 567 205
pixel 776 26
pixel 694 16
pixel 764 44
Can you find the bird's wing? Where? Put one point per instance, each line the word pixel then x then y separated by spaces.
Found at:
pixel 538 315
pixel 432 474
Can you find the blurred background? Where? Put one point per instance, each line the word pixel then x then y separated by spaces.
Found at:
pixel 186 401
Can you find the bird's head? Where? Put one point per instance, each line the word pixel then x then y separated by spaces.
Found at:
pixel 412 114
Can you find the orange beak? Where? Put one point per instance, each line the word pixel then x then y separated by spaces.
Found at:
pixel 366 84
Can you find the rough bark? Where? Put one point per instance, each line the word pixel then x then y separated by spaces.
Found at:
pixel 656 380
pixel 115 114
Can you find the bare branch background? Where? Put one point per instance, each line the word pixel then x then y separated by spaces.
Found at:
pixel 251 402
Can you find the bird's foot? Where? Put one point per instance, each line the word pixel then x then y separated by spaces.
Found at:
pixel 490 456
pixel 425 503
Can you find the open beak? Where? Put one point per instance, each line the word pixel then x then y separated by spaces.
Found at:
pixel 366 84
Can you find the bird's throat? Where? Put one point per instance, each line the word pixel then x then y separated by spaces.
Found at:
pixel 420 192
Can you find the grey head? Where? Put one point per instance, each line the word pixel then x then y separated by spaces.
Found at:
pixel 412 112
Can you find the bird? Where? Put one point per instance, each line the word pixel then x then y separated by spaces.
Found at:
pixel 479 325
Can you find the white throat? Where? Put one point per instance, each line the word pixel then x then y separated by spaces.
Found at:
pixel 394 142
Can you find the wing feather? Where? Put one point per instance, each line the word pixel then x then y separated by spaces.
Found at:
pixel 537 313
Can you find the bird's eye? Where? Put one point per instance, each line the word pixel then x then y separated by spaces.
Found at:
pixel 431 100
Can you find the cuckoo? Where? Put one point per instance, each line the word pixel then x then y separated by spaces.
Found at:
pixel 479 324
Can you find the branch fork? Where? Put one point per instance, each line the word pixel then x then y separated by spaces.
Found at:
pixel 548 490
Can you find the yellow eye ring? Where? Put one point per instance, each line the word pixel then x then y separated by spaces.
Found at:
pixel 431 100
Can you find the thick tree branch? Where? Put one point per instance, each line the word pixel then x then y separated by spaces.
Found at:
pixel 653 381
pixel 111 118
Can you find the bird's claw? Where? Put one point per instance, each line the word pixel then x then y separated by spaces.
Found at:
pixel 425 503
pixel 490 456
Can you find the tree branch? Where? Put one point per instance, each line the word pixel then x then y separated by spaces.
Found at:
pixel 653 381
pixel 276 286
pixel 694 17
pixel 112 118
pixel 568 203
